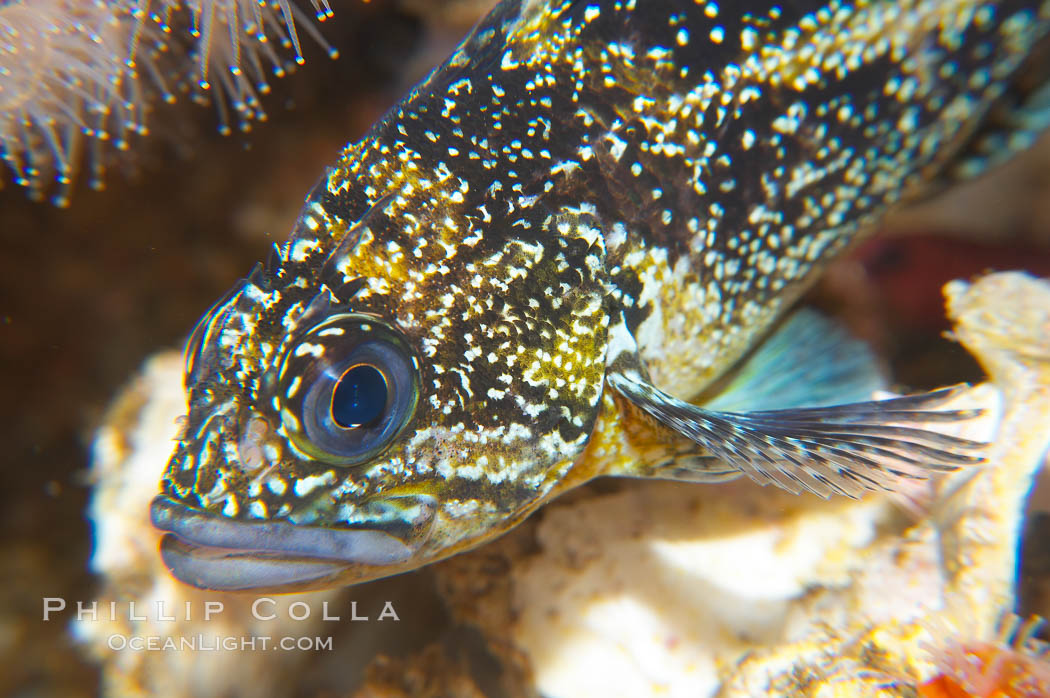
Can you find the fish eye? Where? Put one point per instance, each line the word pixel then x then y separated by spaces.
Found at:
pixel 347 388
pixel 359 398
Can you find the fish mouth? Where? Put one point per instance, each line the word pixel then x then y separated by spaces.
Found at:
pixel 210 551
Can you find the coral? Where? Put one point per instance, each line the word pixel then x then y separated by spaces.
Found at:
pixel 78 74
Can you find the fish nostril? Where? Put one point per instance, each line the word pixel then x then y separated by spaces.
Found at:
pixel 255 447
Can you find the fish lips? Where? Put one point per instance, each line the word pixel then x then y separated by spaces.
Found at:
pixel 210 551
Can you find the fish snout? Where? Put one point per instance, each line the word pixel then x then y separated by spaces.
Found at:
pixel 211 551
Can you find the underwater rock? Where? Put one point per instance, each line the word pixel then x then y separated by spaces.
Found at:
pixel 635 588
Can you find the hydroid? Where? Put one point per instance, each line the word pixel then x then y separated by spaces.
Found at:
pixel 78 77
pixel 64 80
pixel 238 44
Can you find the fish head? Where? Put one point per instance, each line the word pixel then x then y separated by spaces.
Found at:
pixel 414 371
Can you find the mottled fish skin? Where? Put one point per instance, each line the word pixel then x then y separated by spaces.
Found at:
pixel 582 186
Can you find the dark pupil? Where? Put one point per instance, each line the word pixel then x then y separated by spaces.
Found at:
pixel 359 397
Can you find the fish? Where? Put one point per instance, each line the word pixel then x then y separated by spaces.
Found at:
pixel 575 250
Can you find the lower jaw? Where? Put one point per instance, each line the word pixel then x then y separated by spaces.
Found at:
pixel 221 569
pixel 208 551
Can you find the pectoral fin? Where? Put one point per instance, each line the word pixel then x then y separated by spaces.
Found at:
pixel 842 449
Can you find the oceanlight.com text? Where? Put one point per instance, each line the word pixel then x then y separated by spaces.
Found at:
pixel 213 643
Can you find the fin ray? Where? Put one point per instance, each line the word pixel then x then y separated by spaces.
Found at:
pixel 843 449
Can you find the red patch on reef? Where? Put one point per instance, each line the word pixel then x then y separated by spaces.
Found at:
pixel 988 670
